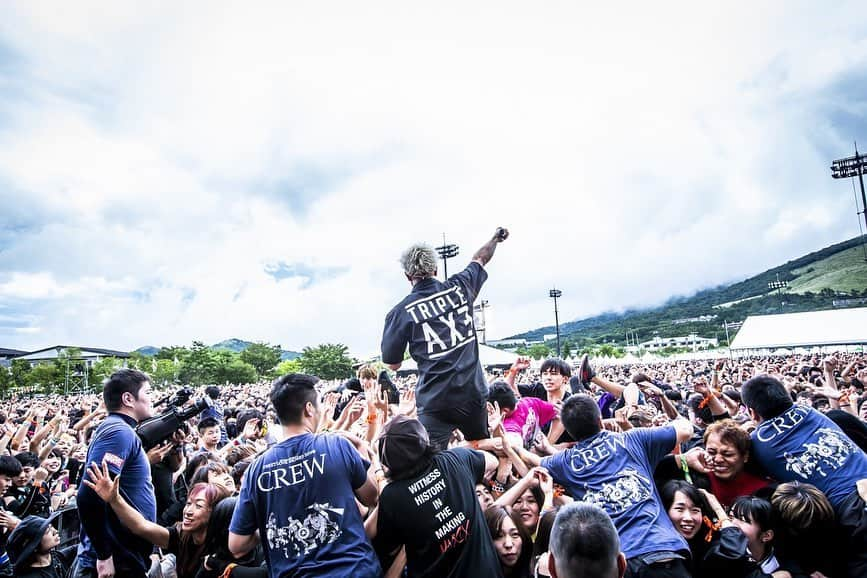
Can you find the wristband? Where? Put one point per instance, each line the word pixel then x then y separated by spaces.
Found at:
pixel 685 468
pixel 372 417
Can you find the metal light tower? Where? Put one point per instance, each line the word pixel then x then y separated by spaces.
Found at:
pixel 554 294
pixel 779 286
pixel 851 167
pixel 446 252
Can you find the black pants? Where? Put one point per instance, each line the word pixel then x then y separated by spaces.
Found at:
pixel 638 568
pixel 470 418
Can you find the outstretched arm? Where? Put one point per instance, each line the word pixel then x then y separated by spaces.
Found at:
pixel 107 489
pixel 486 251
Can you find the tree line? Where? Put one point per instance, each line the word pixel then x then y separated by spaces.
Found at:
pixel 195 365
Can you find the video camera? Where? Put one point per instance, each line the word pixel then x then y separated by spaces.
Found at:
pixel 158 429
pixel 177 399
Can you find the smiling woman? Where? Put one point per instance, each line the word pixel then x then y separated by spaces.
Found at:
pixel 186 540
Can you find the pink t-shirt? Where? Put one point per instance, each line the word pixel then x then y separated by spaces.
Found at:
pixel 530 415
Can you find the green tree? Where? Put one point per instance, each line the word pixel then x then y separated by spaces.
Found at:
pixel 566 349
pixel 236 372
pixel 327 361
pixel 166 371
pixel 539 350
pixel 140 361
pixel 102 369
pixel 20 370
pixel 288 366
pixel 175 352
pixel 200 365
pixel 262 356
pixel 609 350
pixel 45 376
pixel 5 380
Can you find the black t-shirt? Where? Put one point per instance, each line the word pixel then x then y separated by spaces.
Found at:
pixel 436 321
pixel 437 517
pixel 58 568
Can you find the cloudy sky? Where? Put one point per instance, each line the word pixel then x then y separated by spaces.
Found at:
pixel 199 170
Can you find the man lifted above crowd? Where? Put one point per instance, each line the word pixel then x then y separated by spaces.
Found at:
pixel 436 321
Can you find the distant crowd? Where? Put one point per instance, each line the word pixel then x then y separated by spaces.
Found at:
pixel 705 475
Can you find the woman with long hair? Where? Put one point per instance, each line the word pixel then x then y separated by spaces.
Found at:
pixel 186 540
pixel 511 540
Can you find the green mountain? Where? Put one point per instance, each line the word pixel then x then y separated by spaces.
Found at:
pixel 236 345
pixel 833 277
pixel 148 350
pixel 239 345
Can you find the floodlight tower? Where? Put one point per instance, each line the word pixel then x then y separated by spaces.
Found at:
pixel 554 294
pixel 850 167
pixel 446 252
pixel 779 286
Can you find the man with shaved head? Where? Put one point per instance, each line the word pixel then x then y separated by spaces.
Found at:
pixel 584 544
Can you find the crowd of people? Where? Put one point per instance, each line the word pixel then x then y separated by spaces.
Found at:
pixel 681 459
pixel 748 467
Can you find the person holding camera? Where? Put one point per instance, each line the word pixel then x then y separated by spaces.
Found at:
pixel 436 321
pixel 108 548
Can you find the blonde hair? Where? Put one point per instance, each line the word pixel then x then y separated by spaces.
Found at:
pixel 419 262
pixel 801 506
pixel 366 372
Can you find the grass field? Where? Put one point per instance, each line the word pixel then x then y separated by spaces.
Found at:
pixel 845 271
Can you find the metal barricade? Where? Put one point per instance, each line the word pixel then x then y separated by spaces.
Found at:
pixel 68 525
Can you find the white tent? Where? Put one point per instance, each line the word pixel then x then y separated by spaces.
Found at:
pixel 488 356
pixel 833 328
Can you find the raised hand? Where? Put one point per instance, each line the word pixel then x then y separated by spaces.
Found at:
pixel 102 484
pixel 521 364
pixel 356 408
pixel 329 402
pixel 545 481
pixel 158 452
pixel 495 419
pixel 251 429
pixel 380 402
pixel 407 402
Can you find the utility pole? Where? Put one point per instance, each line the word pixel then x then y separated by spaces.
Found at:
pixel 554 294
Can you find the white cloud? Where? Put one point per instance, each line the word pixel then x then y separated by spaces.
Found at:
pixel 173 151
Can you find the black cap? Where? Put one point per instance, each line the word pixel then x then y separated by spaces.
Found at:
pixel 402 443
pixel 25 539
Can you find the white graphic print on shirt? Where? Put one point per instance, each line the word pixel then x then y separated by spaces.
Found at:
pixel 829 453
pixel 631 488
pixel 317 529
